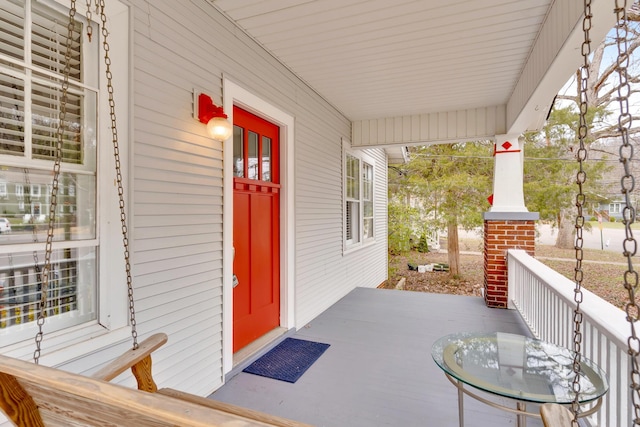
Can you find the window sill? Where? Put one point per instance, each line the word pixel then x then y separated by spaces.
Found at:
pixel 73 343
pixel 356 247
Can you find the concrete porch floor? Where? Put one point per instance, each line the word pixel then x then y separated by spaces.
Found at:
pixel 378 370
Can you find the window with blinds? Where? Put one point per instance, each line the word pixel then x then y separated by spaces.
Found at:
pixel 33 47
pixel 367 201
pixel 358 200
pixel 352 208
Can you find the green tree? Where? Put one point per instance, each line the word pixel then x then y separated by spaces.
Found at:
pixel 450 183
pixel 550 170
pixel 403 221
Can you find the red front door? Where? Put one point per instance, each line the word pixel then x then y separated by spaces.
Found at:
pixel 256 227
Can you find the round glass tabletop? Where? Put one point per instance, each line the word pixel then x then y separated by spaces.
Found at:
pixel 517 367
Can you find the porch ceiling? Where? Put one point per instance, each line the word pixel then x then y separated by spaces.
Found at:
pixel 377 60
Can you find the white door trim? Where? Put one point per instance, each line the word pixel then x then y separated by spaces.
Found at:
pixel 233 94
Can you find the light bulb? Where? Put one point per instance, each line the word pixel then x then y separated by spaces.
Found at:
pixel 219 128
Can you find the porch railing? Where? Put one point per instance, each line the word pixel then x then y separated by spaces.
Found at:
pixel 545 300
pixel 20 292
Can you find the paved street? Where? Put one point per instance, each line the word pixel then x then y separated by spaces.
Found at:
pixel 610 239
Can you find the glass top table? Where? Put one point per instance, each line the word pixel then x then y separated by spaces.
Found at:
pixel 516 367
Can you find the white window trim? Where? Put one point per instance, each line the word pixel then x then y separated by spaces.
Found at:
pixel 234 94
pixel 20 191
pixel 112 324
pixel 363 158
pixel 35 191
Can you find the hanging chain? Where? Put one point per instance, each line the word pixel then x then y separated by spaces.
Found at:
pixel 89 18
pixel 581 177
pixel 116 156
pixel 34 229
pixel 62 116
pixel 627 184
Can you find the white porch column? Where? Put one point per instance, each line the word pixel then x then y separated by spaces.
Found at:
pixel 508 175
pixel 508 224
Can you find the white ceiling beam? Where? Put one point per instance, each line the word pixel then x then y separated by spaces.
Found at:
pixel 556 55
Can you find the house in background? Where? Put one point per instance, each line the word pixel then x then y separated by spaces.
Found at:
pixel 612 210
pixel 323 96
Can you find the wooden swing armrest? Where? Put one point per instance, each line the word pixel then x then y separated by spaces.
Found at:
pixel 554 415
pixel 262 417
pixel 138 360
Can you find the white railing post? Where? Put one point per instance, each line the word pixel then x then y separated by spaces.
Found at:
pixel 544 299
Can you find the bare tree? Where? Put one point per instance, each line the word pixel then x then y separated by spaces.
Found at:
pixel 602 100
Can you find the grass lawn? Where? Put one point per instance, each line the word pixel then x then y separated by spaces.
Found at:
pixel 614 225
pixel 603 271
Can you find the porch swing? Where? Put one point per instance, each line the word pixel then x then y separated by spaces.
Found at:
pixel 34 395
pixel 553 414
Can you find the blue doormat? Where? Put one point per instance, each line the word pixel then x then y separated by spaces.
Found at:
pixel 288 360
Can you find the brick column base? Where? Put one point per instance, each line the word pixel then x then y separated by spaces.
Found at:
pixel 501 234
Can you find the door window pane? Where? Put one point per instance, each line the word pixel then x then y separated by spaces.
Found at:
pixel 266 158
pixel 253 165
pixel 238 152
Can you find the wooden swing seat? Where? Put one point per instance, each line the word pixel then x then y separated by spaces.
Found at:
pixel 34 395
pixel 554 415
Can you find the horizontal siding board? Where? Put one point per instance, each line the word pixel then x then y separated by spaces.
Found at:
pixel 153 271
pixel 183 299
pixel 192 254
pixel 179 199
pixel 190 229
pixel 161 289
pixel 171 133
pixel 330 243
pixel 169 166
pixel 192 241
pixel 195 181
pixel 171 209
pixel 180 183
pixel 166 222
pixel 183 335
pixel 165 136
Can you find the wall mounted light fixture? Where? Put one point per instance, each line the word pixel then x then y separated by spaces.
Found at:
pixel 216 120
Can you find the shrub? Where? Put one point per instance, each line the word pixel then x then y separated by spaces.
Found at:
pixel 423 245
